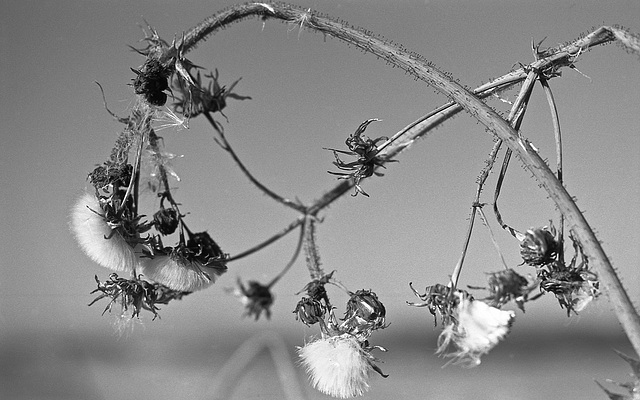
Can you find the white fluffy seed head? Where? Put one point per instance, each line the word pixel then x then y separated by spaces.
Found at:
pixel 482 326
pixel 179 273
pixel 96 238
pixel 337 366
pixel 479 328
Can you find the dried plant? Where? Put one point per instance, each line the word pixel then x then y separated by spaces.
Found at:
pixel 115 233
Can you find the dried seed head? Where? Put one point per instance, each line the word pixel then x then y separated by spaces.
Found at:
pixel 339 366
pixel 475 329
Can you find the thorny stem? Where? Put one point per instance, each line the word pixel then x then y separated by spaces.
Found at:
pixel 310 248
pixel 417 66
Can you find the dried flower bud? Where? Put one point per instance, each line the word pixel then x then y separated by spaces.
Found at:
pixel 204 248
pixel 114 174
pixel 437 298
pixel 151 82
pixel 365 313
pixel 508 285
pixel 256 298
pixel 166 221
pixel 539 246
pixel 310 311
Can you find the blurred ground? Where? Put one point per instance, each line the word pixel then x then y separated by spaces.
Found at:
pixel 55 365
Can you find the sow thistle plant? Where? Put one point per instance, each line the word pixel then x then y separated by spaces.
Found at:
pixel 155 258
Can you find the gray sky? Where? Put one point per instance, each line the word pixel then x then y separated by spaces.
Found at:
pixel 308 93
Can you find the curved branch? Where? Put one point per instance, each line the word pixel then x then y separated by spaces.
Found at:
pixel 416 65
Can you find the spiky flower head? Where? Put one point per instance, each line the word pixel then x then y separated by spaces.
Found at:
pixel 339 365
pixel 204 99
pixel 474 329
pixel 366 150
pixel 538 246
pixel 134 295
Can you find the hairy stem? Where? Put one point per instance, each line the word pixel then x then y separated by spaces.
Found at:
pixel 417 66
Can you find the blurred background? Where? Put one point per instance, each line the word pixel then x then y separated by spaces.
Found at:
pixel 308 92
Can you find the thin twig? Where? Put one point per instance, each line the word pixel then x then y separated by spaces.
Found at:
pixel 559 169
pixel 227 147
pixel 296 253
pixel 515 118
pixel 492 236
pixel 267 242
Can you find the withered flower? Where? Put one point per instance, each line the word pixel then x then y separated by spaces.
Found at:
pixel 507 285
pixel 310 311
pixel 368 160
pixel 574 287
pixel 256 298
pixel 198 99
pixel 340 361
pixel 136 294
pixel 437 299
pixel 539 246
pixel 166 220
pixel 151 80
